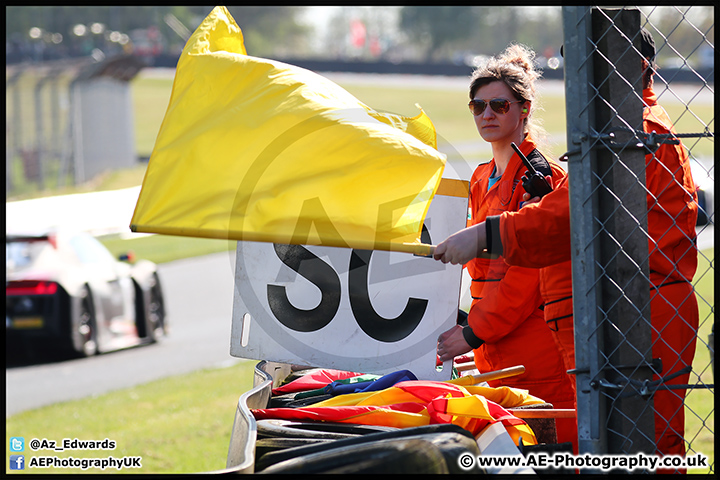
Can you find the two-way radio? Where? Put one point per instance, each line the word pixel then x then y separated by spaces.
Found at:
pixel 533 181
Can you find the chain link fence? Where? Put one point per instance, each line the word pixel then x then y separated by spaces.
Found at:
pixel 643 268
pixel 67 121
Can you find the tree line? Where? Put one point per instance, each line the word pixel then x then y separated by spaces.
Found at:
pixel 419 33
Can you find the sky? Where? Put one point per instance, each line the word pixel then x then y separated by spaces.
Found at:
pixel 319 16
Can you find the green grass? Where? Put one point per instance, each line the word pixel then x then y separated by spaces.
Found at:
pixel 693 121
pixel 165 248
pixel 115 180
pixel 700 403
pixel 179 424
pixel 150 99
pixel 445 106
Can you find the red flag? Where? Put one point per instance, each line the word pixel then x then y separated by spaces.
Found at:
pixel 399 415
pixel 410 404
pixel 313 380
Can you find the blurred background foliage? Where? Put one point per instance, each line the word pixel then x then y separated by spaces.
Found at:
pixel 454 34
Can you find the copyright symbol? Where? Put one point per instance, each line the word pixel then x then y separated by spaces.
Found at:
pixel 466 461
pixel 34 444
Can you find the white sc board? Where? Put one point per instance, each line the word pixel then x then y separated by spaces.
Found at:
pixel 356 310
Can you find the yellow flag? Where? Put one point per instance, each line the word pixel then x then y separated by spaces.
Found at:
pixel 257 150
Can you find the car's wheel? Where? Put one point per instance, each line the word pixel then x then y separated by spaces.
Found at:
pixel 87 325
pixel 156 311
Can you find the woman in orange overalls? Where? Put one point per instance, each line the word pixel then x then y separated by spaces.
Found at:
pixel 672 214
pixel 506 325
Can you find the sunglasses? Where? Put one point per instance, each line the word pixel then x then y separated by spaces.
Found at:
pixel 498 105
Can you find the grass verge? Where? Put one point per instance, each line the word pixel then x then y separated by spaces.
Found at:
pixel 165 248
pixel 700 403
pixel 179 424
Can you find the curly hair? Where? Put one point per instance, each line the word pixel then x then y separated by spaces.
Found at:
pixel 515 68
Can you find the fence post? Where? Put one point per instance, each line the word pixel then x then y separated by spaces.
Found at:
pixel 78 159
pixel 623 237
pixel 582 183
pixel 40 128
pixel 15 127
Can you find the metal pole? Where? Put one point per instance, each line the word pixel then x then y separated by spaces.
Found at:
pixel 15 126
pixel 39 129
pixel 55 122
pixel 580 113
pixel 77 131
pixel 623 238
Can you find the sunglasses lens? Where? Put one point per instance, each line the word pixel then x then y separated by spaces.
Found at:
pixel 500 105
pixel 477 107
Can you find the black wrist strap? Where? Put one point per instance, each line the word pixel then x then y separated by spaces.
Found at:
pixel 492 231
pixel 470 337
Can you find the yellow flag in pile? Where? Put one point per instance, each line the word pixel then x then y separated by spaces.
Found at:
pixel 257 150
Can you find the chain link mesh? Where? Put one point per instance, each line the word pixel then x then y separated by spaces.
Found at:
pixel 642 358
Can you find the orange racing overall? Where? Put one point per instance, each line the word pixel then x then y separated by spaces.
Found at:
pixel 672 215
pixel 506 311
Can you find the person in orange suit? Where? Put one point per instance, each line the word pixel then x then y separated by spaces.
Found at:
pixel 506 325
pixel 672 215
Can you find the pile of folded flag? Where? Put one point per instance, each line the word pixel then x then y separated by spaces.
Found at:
pixel 400 400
